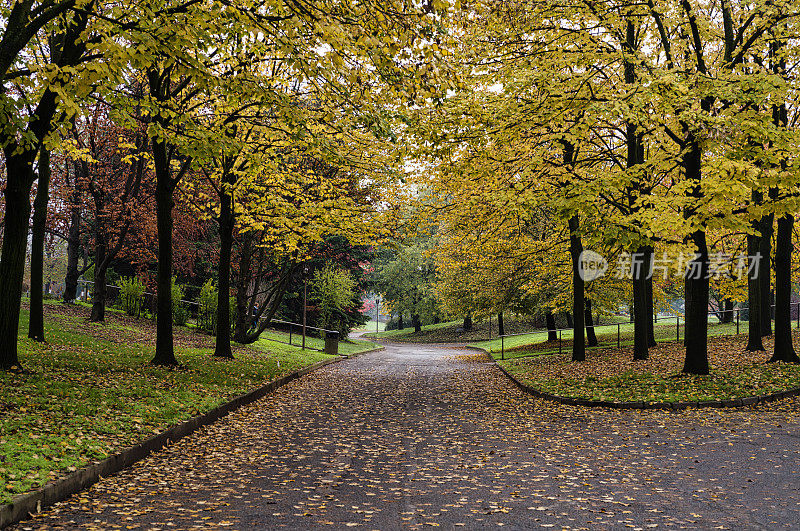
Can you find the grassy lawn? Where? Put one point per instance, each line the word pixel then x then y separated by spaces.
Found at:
pixel 408 332
pixel 369 326
pixel 274 341
pixel 611 374
pixel 91 391
pixel 451 332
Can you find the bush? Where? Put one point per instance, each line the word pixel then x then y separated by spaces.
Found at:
pixel 180 313
pixel 131 291
pixel 207 307
pixel 333 290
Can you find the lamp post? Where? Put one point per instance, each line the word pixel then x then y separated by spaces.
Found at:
pixel 305 303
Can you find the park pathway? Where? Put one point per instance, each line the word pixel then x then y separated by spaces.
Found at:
pixel 418 436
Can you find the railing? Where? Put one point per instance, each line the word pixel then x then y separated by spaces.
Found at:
pixel 331 337
pixel 661 328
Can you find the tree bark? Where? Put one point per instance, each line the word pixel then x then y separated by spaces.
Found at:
pixel 651 333
pixel 696 285
pixel 466 326
pixel 416 322
pixel 552 335
pixel 222 346
pixel 765 249
pixel 400 324
pixel 575 250
pixel 568 317
pixel 36 319
pixel 501 329
pixel 784 349
pixel 641 271
pixel 591 337
pixel 100 279
pixel 754 342
pixel 165 350
pixel 243 313
pixel 73 246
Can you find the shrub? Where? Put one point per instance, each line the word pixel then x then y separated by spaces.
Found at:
pixel 207 307
pixel 333 289
pixel 180 313
pixel 131 291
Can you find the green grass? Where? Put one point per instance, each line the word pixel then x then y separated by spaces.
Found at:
pixel 272 340
pixel 408 331
pixel 369 326
pixel 450 332
pixel 91 391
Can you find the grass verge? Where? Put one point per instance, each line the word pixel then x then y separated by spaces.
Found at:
pixel 612 374
pixel 91 391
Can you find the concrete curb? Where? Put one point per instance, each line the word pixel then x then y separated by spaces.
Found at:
pixel 32 502
pixel 730 402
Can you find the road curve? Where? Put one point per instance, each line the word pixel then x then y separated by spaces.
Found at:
pixel 420 436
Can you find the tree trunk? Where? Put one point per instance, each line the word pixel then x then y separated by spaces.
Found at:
pixel 243 313
pixel 726 311
pixel 501 329
pixel 765 249
pixel 19 171
pixel 467 325
pixel 400 324
pixel 784 349
pixel 99 289
pixel 651 332
pixel 568 317
pixel 696 282
pixel 575 250
pixel 36 319
pixel 697 293
pixel 641 270
pixel 100 269
pixel 416 322
pixel 591 338
pixel 754 342
pixel 222 347
pixel 165 353
pixel 73 248
pixel 552 335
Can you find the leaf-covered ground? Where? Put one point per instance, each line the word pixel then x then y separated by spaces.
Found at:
pixel 91 391
pixel 612 374
pixel 417 437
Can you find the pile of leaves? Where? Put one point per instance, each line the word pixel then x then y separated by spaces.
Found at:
pixel 90 391
pixel 612 374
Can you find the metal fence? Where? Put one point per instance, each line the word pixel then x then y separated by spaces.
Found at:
pixel 665 328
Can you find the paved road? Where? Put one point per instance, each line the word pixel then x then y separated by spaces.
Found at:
pixel 416 437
